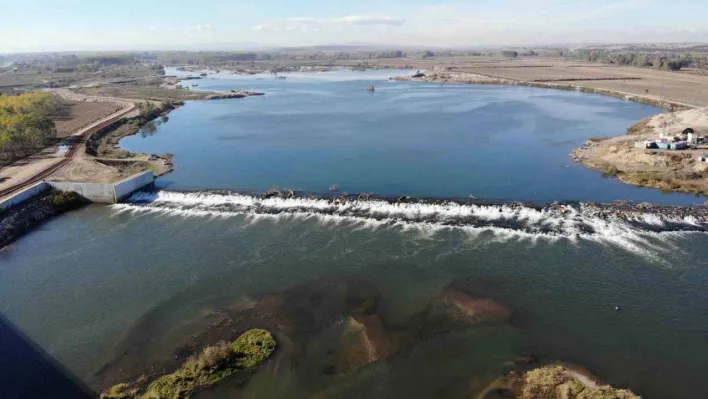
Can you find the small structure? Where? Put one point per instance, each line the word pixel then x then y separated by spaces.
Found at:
pixel 678 145
pixel 645 145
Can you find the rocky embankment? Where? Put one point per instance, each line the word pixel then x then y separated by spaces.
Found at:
pixel 438 75
pixel 19 219
pixel 233 94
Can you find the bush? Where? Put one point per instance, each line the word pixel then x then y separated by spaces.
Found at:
pixel 212 365
pixel 63 199
pixel 611 171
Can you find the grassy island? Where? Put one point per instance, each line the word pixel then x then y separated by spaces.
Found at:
pixel 212 365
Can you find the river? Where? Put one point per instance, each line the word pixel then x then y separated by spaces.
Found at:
pixel 116 286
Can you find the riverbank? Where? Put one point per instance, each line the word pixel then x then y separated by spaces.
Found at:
pixel 108 157
pixel 667 170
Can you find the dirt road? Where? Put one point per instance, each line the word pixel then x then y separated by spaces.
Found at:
pixel 27 171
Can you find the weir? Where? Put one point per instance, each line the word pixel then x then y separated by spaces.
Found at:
pixel 106 193
pixel 638 228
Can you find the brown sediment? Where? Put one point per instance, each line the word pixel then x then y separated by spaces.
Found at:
pixel 342 315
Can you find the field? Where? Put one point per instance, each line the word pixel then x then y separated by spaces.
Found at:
pixel 77 114
pixel 143 91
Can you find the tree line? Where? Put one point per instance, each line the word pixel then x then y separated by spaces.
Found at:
pixel 669 61
pixel 25 124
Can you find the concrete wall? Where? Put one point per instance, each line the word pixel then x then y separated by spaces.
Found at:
pixel 23 195
pixel 94 192
pixel 108 193
pixel 126 187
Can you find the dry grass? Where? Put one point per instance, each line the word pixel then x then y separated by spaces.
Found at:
pixel 557 382
pixel 548 73
pixel 144 91
pixel 77 114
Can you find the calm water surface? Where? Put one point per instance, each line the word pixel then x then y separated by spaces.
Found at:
pixel 105 284
pixel 312 131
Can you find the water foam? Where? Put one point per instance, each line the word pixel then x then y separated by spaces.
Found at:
pixel 632 229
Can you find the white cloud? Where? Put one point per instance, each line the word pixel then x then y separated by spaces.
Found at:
pixel 371 20
pixel 203 27
pixel 316 24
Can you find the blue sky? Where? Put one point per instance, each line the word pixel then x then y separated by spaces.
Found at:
pixel 32 25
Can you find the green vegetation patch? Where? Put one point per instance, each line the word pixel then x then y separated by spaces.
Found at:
pixel 25 124
pixel 212 365
pixel 557 382
pixel 64 199
pixel 611 171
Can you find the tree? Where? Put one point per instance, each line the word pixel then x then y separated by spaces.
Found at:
pixel 26 124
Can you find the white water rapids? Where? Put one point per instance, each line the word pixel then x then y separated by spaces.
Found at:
pixel 644 233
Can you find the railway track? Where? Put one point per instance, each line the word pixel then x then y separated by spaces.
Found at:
pixel 36 178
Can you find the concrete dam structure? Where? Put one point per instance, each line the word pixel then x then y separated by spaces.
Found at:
pixel 105 193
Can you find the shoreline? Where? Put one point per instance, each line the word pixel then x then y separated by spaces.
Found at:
pixel 655 179
pixel 475 78
pixel 108 142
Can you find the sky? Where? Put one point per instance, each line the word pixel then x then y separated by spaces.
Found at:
pixel 72 25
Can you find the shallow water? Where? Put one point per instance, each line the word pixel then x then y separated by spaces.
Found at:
pixel 120 287
pixel 82 284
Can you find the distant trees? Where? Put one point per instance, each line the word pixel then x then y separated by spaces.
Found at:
pixel 427 54
pixel 510 54
pixel 25 124
pixel 672 61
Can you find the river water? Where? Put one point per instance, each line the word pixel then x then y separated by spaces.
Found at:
pixel 119 286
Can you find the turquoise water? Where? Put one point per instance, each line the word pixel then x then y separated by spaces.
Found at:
pixel 111 290
pixel 313 131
